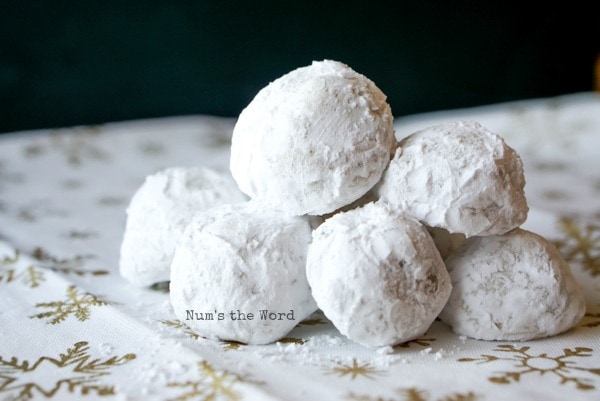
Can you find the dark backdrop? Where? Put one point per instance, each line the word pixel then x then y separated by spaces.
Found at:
pixel 86 62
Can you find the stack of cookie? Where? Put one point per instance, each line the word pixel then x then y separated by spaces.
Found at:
pixel 382 236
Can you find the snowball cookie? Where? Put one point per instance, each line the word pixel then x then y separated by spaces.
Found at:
pixel 377 275
pixel 457 176
pixel 159 212
pixel 239 262
pixel 511 287
pixel 313 140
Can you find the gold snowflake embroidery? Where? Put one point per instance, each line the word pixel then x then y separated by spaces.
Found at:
pixel 110 201
pixel 80 234
pixel 75 370
pixel 581 244
pixel 177 324
pixel 561 366
pixel 7 176
pixel 67 265
pixel 228 345
pixel 76 304
pixel 591 320
pixel 9 260
pixel 151 148
pixel 79 145
pixel 232 345
pixel 31 276
pixel 424 342
pixel 291 340
pixel 355 370
pixel 415 394
pixel 33 150
pixel 312 322
pixel 212 384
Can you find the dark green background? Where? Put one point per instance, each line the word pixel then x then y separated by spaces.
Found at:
pixel 86 62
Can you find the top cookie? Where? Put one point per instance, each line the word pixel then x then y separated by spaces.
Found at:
pixel 457 176
pixel 314 140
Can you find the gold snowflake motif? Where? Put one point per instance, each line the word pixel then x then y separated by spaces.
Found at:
pixel 67 265
pixel 33 150
pixel 591 320
pixel 31 276
pixel 555 195
pixel 415 394
pixel 151 148
pixel 9 260
pixel 177 324
pixel 424 342
pixel 355 370
pixel 9 176
pixel 76 145
pixel 291 340
pixel 526 363
pixel 76 370
pixel 228 345
pixel 212 384
pixel 232 345
pixel 312 322
pixel 81 235
pixel 111 201
pixel 79 145
pixel 76 304
pixel 581 244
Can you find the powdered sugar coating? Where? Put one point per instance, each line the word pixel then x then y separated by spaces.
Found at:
pixel 514 286
pixel 242 257
pixel 159 212
pixel 457 176
pixel 314 140
pixel 377 275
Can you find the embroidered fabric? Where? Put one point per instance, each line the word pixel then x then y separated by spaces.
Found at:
pixel 72 328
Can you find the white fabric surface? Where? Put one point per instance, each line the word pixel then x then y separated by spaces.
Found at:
pixel 72 328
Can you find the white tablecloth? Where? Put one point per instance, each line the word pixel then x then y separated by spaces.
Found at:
pixel 72 328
